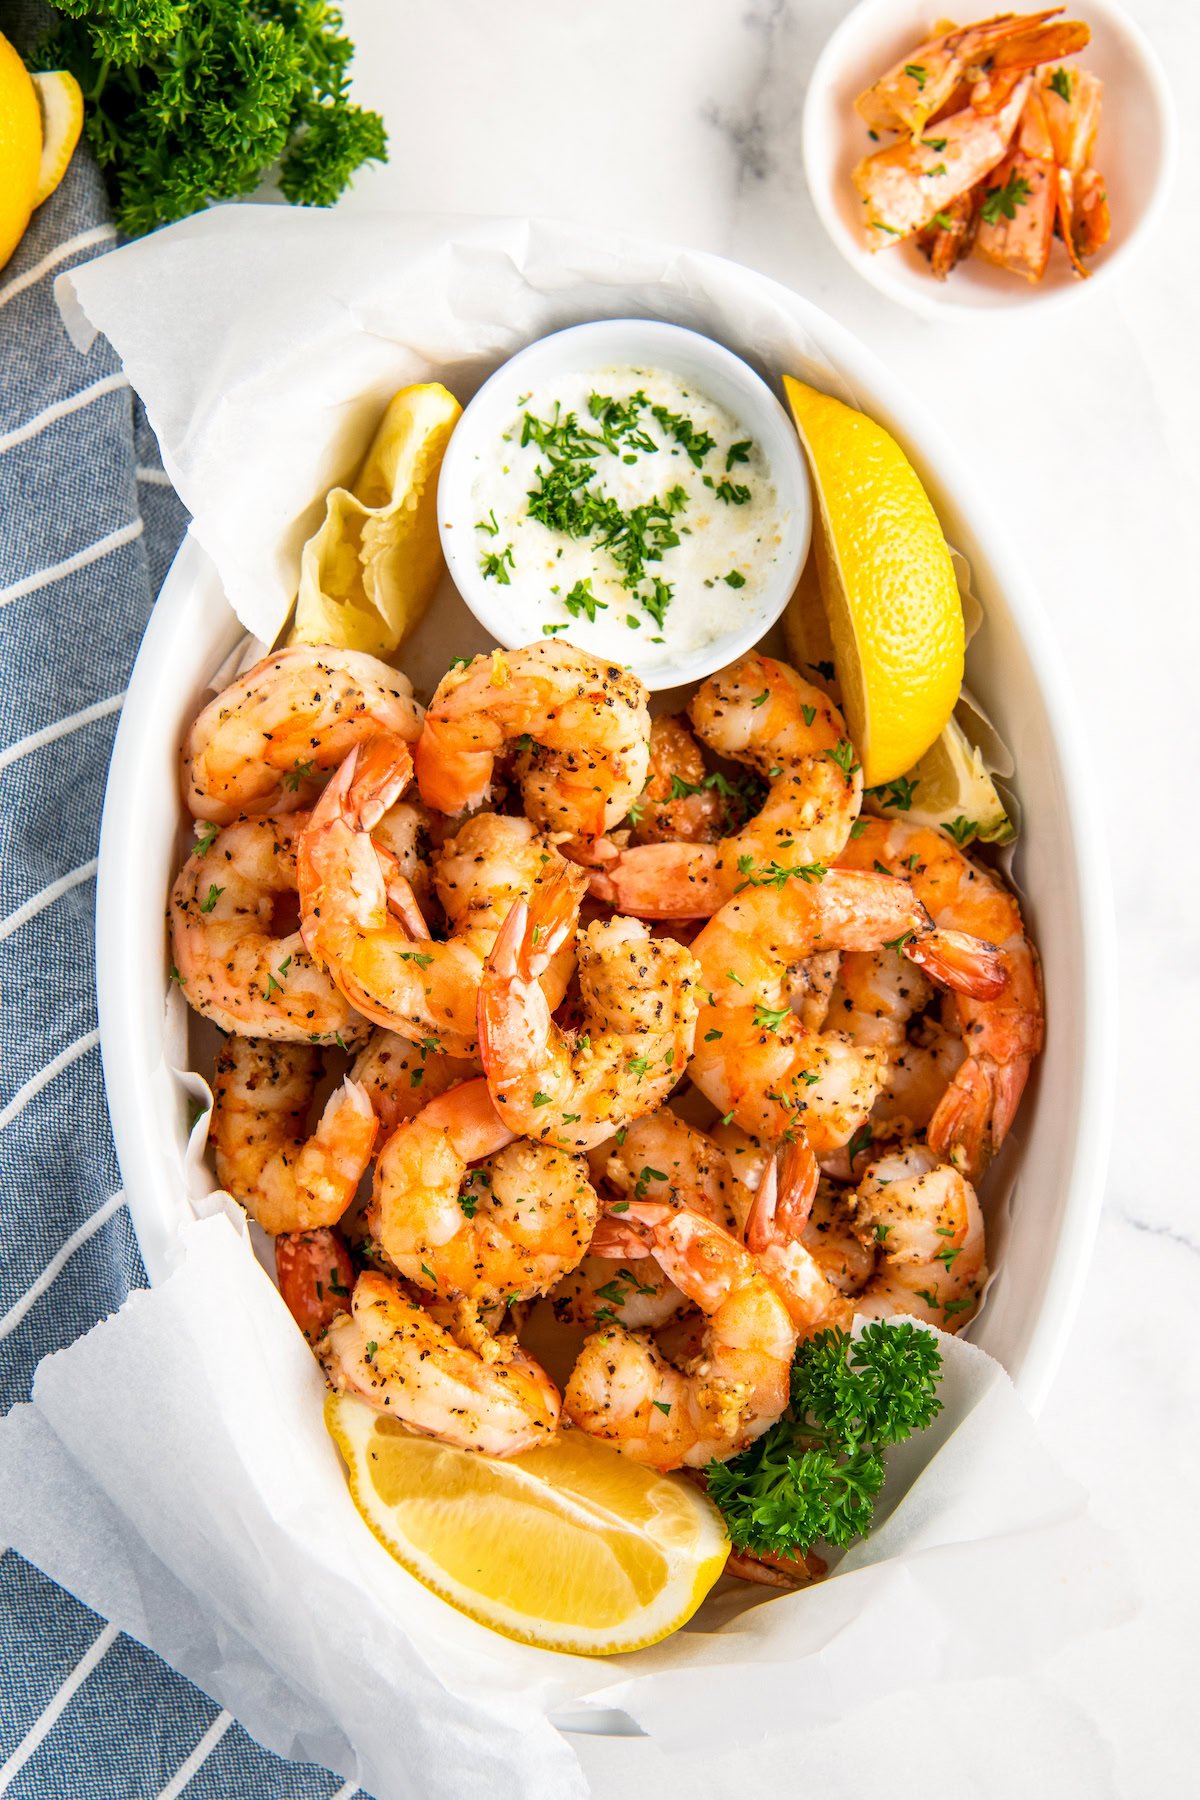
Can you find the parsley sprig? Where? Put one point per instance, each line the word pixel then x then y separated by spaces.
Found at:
pixel 815 1476
pixel 187 101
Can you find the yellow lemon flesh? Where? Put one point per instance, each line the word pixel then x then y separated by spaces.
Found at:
pixel 20 148
pixel 569 1546
pixel 60 99
pixel 369 572
pixel 950 786
pixel 887 583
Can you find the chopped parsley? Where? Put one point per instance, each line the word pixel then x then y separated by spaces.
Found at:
pixel 1005 200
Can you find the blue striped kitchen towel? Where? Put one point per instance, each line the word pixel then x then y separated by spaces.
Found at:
pixel 88 526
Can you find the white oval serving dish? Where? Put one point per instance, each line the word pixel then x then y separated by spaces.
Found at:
pixel 1044 1195
pixel 1135 151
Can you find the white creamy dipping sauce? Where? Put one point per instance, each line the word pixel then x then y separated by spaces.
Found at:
pixel 625 510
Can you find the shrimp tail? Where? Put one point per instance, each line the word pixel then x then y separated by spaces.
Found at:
pixel 961 1131
pixel 382 770
pixel 955 959
pixel 613 1238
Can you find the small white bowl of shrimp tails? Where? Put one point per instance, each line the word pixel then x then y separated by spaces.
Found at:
pixel 1129 163
pixel 633 485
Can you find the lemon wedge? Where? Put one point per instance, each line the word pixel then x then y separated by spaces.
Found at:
pixel 20 148
pixel 949 786
pixel 887 584
pixel 60 98
pixel 569 1546
pixel 369 572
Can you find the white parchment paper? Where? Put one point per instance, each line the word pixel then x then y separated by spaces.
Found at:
pixel 173 1469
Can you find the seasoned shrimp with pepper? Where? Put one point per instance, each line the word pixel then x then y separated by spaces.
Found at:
pixel 638 998
pixel 360 918
pixel 759 712
pixel 505 1229
pixel 625 1391
pixel 578 728
pixel 269 740
pixel 238 957
pixel 753 1058
pixel 289 1180
pixel 658 1157
pixel 439 1371
pixel 1002 1030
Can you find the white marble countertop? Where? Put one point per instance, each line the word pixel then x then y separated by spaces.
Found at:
pixel 680 119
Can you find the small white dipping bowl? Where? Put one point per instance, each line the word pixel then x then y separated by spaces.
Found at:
pixel 626 343
pixel 1135 152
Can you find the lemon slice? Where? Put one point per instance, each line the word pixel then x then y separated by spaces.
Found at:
pixel 20 148
pixel 569 1546
pixel 951 787
pixel 887 584
pixel 60 98
pixel 370 571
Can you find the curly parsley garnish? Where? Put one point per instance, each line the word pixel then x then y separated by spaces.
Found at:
pixel 815 1476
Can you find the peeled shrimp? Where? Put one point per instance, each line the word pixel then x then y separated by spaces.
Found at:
pixel 638 997
pixel 753 1058
pixel 448 1380
pixel 658 1157
pixel 906 184
pixel 908 94
pixel 316 1277
pixel 877 1000
pixel 774 1232
pixel 623 1389
pixel 762 713
pixel 268 741
pixel 290 1181
pixel 930 1232
pixel 361 920
pixel 401 1076
pixel 1022 243
pixel 232 961
pixel 676 804
pixel 506 1230
pixel 580 729
pixel 1003 1031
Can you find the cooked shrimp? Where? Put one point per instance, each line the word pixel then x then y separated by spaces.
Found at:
pixel 753 1058
pixel 266 744
pixel 762 713
pixel 906 184
pixel 479 874
pixel 829 1233
pixel 507 1229
pixel 877 1000
pixel 1018 236
pixel 909 94
pixel 625 1391
pixel 377 948
pixel 315 1276
pixel 580 728
pixel 658 1157
pixel 774 1232
pixel 1003 1032
pixel 444 1380
pixel 233 961
pixel 681 801
pixel 1072 98
pixel 930 1230
pixel 401 1077
pixel 289 1180
pixel 638 996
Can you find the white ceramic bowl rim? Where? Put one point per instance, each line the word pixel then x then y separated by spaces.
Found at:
pixel 189 633
pixel 600 344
